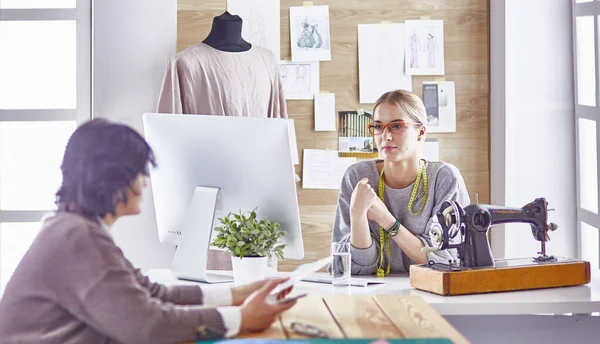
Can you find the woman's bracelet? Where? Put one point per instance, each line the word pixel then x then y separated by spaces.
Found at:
pixel 394 229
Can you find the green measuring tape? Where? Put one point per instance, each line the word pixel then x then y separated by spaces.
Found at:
pixel 384 240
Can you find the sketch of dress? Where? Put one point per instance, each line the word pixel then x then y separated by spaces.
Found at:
pixel 284 70
pixel 310 36
pixel 414 51
pixel 302 85
pixel 316 33
pixel 387 61
pixel 256 31
pixel 431 49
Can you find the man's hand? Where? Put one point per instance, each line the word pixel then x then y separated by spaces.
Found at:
pixel 257 313
pixel 241 293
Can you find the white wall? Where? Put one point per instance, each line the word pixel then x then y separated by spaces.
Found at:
pixel 532 120
pixel 133 40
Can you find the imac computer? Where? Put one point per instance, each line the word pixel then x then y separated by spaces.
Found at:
pixel 209 166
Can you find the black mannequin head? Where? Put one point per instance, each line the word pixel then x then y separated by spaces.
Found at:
pixel 226 34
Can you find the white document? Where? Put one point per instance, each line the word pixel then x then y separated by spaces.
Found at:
pixel 301 272
pixel 293 142
pixel 323 169
pixel 431 150
pixel 381 61
pixel 424 40
pixel 309 33
pixel 261 20
pixel 300 79
pixel 439 98
pixel 325 112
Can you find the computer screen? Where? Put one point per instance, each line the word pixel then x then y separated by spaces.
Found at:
pixel 241 162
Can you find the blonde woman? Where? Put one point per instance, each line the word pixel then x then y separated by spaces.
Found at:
pixel 386 207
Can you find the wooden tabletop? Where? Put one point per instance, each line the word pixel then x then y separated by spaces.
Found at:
pixel 365 316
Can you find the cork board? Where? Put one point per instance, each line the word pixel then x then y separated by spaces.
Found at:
pixel 466 40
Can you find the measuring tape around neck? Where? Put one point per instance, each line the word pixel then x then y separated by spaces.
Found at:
pixel 384 240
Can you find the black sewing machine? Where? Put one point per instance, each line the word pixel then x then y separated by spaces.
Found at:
pixel 473 223
pixel 466 229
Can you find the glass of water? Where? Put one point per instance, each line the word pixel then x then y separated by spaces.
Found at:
pixel 340 267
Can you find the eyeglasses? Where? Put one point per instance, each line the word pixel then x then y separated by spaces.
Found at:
pixel 395 127
pixel 308 330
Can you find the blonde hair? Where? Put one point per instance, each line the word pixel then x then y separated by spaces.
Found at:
pixel 408 102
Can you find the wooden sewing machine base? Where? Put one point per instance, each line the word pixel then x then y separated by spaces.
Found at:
pixel 507 275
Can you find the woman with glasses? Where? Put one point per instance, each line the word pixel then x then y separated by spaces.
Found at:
pixel 386 207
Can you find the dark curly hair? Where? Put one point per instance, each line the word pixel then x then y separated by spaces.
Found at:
pixel 102 160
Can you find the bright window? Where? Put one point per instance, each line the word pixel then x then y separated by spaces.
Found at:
pixel 45 89
pixel 38 68
pixel 30 158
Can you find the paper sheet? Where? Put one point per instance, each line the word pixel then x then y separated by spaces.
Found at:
pixel 424 42
pixel 302 271
pixel 431 150
pixel 261 20
pixel 309 32
pixel 381 61
pixel 439 98
pixel 293 142
pixel 300 79
pixel 325 115
pixel 323 169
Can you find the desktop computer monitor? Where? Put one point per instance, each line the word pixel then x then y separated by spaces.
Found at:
pixel 209 166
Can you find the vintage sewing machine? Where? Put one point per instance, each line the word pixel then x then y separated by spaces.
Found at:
pixel 466 230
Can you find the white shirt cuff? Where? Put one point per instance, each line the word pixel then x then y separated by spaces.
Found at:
pixel 216 296
pixel 232 318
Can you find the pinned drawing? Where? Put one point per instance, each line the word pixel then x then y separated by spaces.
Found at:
pixel 300 80
pixel 424 47
pixel 261 20
pixel 309 30
pixel 381 60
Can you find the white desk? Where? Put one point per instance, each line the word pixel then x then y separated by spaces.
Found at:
pixel 497 317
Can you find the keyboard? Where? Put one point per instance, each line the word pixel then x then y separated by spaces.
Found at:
pixel 354 281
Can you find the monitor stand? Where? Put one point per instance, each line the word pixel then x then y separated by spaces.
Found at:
pixel 190 258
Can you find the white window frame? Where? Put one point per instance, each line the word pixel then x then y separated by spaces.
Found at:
pixel 591 8
pixel 83 16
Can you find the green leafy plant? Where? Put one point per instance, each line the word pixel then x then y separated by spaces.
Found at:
pixel 247 236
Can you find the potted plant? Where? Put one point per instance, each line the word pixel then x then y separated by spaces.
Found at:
pixel 251 242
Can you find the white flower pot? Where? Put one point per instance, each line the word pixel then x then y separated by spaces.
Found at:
pixel 248 269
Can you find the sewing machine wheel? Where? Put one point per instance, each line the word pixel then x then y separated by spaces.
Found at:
pixel 446 225
pixel 453 215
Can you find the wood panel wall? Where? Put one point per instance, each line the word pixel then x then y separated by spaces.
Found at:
pixel 466 41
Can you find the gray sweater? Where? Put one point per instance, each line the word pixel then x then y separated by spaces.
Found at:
pixel 445 183
pixel 75 286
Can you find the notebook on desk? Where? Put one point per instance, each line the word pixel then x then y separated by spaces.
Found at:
pixel 354 281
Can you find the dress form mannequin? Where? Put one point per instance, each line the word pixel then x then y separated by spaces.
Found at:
pixel 201 78
pixel 226 34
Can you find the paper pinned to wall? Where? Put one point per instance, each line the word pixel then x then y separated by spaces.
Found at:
pixel 439 98
pixel 300 79
pixel 325 115
pixel 424 42
pixel 431 150
pixel 309 32
pixel 293 142
pixel 323 169
pixel 381 61
pixel 261 22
